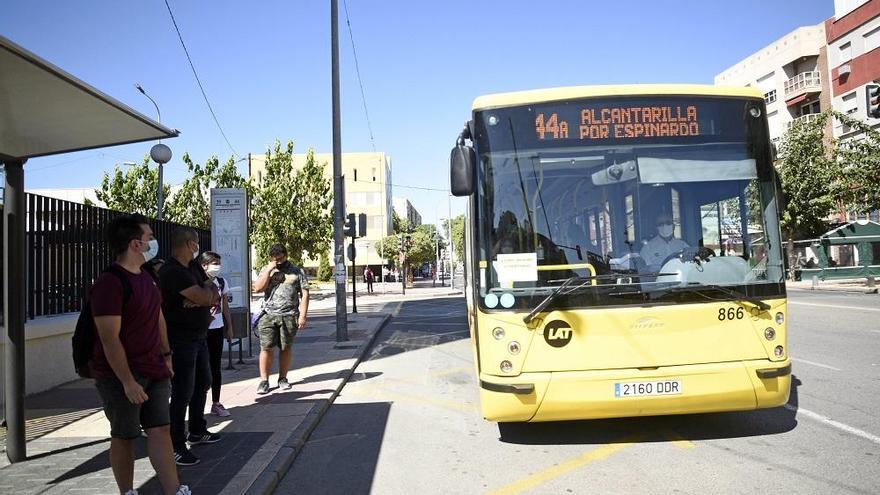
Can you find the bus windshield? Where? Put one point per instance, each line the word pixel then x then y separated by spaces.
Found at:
pixel 631 200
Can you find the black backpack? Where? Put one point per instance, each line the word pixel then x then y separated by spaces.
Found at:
pixel 85 333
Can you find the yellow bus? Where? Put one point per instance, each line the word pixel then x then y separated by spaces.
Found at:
pixel 623 252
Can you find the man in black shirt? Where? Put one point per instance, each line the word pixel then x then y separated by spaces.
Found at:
pixel 187 297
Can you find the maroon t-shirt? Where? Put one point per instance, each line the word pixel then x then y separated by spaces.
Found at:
pixel 139 333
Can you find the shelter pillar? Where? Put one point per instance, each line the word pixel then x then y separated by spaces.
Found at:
pixel 14 289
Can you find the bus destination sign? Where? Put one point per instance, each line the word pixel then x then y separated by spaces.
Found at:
pixel 620 123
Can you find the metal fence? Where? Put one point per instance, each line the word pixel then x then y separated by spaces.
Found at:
pixel 66 251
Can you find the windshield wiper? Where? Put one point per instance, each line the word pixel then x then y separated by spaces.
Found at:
pixel 735 294
pixel 552 296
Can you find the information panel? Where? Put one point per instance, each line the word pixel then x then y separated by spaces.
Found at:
pixel 229 239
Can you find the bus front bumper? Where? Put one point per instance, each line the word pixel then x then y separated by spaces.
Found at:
pixel 568 395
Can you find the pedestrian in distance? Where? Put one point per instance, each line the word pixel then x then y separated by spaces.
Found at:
pixel 187 299
pixel 285 306
pixel 131 359
pixel 368 275
pixel 220 328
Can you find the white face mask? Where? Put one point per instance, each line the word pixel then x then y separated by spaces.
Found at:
pixel 152 251
pixel 196 252
pixel 665 230
pixel 213 270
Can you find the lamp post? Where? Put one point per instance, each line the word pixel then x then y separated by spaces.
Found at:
pixel 160 154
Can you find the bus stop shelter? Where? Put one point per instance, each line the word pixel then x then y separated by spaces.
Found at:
pixel 44 111
pixel 864 236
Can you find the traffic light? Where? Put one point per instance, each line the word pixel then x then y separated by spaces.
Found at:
pixel 362 225
pixel 349 225
pixel 872 97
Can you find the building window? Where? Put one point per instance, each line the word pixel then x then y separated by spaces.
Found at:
pixel 810 108
pixel 872 39
pixel 770 96
pixel 844 53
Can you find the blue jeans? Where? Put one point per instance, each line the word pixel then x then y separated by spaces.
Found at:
pixel 189 388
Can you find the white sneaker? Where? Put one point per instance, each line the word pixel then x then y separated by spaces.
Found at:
pixel 183 490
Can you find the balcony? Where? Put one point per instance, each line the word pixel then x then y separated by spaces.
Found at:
pixel 803 83
pixel 803 118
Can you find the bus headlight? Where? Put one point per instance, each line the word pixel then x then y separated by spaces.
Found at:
pixel 779 351
pixel 498 333
pixel 513 347
pixel 780 318
pixel 506 366
pixel 769 333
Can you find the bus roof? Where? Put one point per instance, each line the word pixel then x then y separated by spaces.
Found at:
pixel 575 92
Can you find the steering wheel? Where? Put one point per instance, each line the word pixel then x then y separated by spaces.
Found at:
pixel 691 255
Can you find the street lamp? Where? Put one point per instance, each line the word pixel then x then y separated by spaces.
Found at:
pixel 160 154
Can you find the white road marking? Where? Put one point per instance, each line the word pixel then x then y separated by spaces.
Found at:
pixel 837 306
pixel 798 360
pixel 836 424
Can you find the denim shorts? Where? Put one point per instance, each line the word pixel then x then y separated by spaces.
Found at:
pixel 277 331
pixel 126 419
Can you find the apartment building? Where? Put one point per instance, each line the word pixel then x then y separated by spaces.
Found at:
pixel 406 211
pixel 792 74
pixel 853 38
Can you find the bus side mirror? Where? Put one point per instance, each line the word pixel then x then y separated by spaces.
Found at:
pixel 461 170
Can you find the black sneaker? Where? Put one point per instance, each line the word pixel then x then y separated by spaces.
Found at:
pixel 206 437
pixel 184 457
pixel 284 384
pixel 263 388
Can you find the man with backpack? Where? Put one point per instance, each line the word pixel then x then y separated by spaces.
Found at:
pixel 131 358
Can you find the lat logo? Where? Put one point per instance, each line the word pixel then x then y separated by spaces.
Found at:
pixel 558 333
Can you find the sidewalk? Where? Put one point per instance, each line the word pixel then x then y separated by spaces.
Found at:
pixel 854 285
pixel 68 434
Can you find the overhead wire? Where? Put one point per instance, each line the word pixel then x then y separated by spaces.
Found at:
pixel 201 88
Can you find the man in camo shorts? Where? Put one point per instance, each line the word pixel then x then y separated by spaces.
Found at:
pixel 285 305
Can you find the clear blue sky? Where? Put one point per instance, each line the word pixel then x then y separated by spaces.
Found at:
pixel 266 67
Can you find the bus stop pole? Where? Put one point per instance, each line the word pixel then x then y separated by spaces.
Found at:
pixel 14 308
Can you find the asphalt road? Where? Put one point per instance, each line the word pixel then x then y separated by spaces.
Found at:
pixel 409 422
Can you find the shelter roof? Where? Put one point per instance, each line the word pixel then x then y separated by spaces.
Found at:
pixel 45 110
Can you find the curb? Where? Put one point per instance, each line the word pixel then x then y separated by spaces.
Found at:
pixel 267 481
pixel 863 290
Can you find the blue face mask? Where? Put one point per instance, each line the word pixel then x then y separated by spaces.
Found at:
pixel 152 250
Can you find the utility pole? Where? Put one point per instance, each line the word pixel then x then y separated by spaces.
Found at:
pixel 451 266
pixel 338 184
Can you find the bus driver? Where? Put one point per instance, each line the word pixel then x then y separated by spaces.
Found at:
pixel 656 250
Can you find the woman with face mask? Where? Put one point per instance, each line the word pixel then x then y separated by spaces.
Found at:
pixel 222 320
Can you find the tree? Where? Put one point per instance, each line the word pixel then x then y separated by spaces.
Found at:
pixel 389 249
pixel 806 171
pixel 420 248
pixel 457 235
pixel 292 207
pixel 132 191
pixel 858 187
pixel 190 205
pixel 325 271
pixel 398 224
